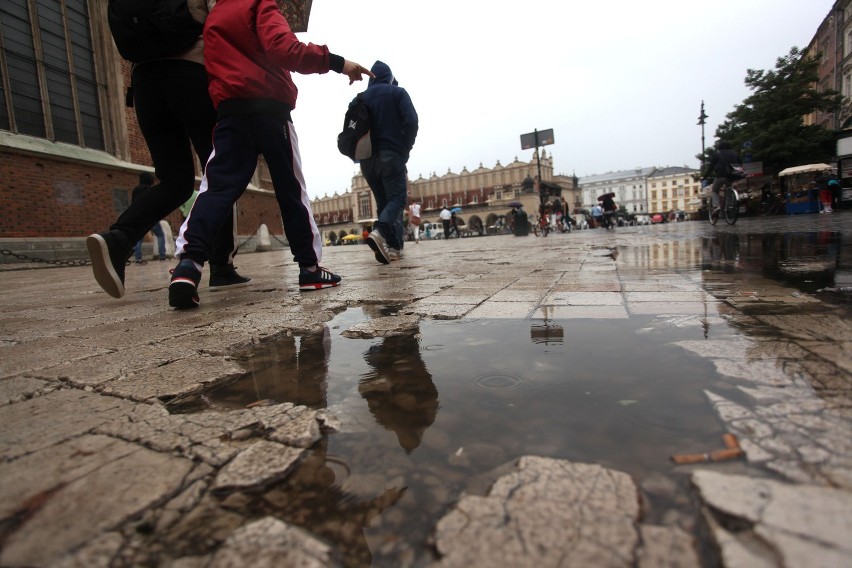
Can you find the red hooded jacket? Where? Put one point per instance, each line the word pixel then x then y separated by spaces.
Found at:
pixel 249 51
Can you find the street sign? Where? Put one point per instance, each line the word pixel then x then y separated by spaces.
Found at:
pixel 535 139
pixel 753 168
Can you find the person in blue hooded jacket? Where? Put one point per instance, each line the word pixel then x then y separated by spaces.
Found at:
pixel 393 129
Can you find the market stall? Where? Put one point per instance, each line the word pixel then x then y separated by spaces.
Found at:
pixel 799 186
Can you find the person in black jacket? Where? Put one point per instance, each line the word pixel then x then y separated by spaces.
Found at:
pixel 718 169
pixel 176 116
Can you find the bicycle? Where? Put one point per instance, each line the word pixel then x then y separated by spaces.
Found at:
pixel 771 205
pixel 729 205
pixel 542 227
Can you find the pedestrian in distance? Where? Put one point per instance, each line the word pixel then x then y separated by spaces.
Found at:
pixel 609 209
pixel 253 109
pixel 597 215
pixel 824 193
pixel 175 115
pixel 414 220
pixel 446 217
pixel 146 182
pixel 393 130
pixel 454 224
pixel 556 208
pixel 566 215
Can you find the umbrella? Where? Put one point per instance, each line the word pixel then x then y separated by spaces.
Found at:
pixel 456 210
pixel 351 238
pixel 297 13
pixel 605 195
pixel 515 204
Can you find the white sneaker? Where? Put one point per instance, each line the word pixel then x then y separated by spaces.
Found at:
pixel 377 242
pixel 395 254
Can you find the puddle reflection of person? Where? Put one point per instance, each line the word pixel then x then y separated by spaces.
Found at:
pixel 400 394
pixel 296 372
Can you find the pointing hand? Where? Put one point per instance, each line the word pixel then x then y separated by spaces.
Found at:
pixel 355 71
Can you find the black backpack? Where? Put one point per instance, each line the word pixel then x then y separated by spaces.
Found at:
pixel 152 29
pixel 354 140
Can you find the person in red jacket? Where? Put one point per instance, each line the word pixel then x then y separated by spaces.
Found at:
pixel 249 52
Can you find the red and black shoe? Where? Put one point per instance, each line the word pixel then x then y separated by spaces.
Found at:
pixel 318 279
pixel 183 289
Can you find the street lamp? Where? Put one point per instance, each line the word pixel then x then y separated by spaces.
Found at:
pixel 701 119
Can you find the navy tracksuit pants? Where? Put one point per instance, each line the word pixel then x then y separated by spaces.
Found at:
pixel 237 142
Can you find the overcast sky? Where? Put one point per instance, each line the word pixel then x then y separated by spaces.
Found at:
pixel 620 82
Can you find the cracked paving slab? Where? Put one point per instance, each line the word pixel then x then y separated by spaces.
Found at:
pixel 818 534
pixel 547 512
pixel 60 502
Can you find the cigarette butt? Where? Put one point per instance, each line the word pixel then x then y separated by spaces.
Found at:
pixel 731 441
pixel 727 454
pixel 690 458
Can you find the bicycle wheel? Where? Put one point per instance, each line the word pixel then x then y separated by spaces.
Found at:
pixel 732 205
pixel 535 229
pixel 713 217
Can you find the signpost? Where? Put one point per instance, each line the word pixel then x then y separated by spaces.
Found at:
pixel 535 139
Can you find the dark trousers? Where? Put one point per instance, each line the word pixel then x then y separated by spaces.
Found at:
pixel 387 176
pixel 446 224
pixel 175 115
pixel 238 140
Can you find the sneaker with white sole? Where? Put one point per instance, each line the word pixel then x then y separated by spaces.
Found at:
pixel 183 288
pixel 377 242
pixel 395 254
pixel 109 254
pixel 318 279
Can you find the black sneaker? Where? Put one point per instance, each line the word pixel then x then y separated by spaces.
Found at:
pixel 183 289
pixel 320 278
pixel 224 276
pixel 377 242
pixel 109 253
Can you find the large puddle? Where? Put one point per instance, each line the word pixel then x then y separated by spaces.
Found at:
pixel 444 409
pixel 431 414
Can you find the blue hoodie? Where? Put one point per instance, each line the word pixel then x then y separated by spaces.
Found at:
pixel 394 120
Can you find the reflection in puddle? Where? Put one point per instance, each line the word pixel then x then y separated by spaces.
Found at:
pixel 399 391
pixel 547 332
pixel 808 261
pixel 433 413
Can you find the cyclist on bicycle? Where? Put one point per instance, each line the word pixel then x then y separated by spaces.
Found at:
pixel 718 169
pixel 609 210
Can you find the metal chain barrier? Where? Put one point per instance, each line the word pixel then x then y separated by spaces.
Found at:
pixel 44 260
pixel 245 242
pixel 86 261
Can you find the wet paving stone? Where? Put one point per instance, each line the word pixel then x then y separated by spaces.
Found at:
pixel 358 426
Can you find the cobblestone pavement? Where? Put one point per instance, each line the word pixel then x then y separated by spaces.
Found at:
pixel 96 472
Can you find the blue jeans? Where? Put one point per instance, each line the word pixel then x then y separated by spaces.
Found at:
pixel 161 242
pixel 387 176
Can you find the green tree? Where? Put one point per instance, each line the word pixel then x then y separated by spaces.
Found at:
pixel 772 118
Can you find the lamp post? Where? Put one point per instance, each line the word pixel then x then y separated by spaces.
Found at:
pixel 701 119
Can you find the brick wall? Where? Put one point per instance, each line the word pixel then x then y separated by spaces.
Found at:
pixel 53 197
